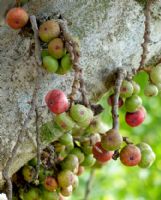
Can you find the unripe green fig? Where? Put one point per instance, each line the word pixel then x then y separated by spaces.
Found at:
pixel 64 121
pixel 67 191
pixel 80 113
pixel 126 89
pixel 112 140
pixel 136 87
pixel 28 173
pixel 78 131
pixel 49 30
pixel 66 139
pixel 147 155
pixel 133 103
pixel 47 195
pixel 80 155
pixel 97 126
pixel 32 194
pixel 151 90
pixel 130 155
pixel 56 48
pixel 65 178
pixel 65 65
pixel 155 74
pixel 50 64
pixel 71 163
pixel 86 148
pixel 89 161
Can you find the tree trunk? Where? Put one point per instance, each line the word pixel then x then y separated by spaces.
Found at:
pixel 110 33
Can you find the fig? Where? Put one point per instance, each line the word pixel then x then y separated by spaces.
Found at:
pixel 65 178
pixel 57 101
pixel 56 48
pixel 112 140
pixel 64 121
pixel 17 18
pixel 130 155
pixel 147 155
pixel 50 64
pixel 49 30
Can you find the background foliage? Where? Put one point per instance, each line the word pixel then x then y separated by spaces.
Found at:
pixel 115 181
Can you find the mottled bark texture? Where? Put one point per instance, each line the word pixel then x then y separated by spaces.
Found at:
pixel 110 33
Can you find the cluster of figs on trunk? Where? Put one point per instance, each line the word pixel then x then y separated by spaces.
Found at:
pixel 55 58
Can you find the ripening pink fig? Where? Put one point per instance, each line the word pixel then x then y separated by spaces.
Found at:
pixel 56 101
pixel 135 118
pixel 111 100
pixel 101 154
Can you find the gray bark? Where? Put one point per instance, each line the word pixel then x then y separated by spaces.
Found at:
pixel 110 32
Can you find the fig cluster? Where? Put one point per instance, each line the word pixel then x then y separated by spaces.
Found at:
pixel 132 102
pixel 56 58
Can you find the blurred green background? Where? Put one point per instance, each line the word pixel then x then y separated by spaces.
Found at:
pixel 115 181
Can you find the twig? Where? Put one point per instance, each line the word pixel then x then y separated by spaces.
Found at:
pixel 119 78
pixel 127 141
pixel 83 91
pixel 116 155
pixel 36 38
pixel 18 2
pixel 146 34
pixel 38 144
pixel 39 63
pixel 89 185
pixel 72 48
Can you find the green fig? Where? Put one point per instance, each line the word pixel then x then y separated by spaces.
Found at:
pixel 50 64
pixel 80 113
pixel 32 194
pixel 147 155
pixel 97 126
pixel 28 173
pixel 151 90
pixel 66 139
pixel 155 74
pixel 126 89
pixel 80 155
pixel 66 65
pixel 47 195
pixel 71 163
pixel 133 103
pixel 89 161
pixel 64 121
pixel 65 178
